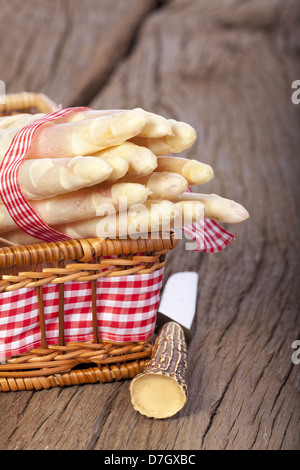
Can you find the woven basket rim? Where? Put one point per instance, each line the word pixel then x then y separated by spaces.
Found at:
pixel 25 101
pixel 83 250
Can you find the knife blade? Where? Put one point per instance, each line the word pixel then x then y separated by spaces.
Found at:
pixel 178 302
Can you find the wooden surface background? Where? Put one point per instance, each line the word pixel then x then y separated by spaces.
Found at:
pixel 226 67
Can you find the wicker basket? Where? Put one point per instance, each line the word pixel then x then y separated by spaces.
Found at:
pixel 81 260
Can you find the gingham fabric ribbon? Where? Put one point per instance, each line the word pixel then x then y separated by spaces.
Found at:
pixel 209 237
pixel 17 205
pixel 126 311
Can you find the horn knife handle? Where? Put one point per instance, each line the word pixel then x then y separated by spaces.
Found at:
pixel 160 390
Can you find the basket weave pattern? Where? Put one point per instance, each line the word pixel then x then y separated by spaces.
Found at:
pixel 32 266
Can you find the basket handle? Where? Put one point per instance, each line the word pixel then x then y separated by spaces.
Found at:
pixel 26 100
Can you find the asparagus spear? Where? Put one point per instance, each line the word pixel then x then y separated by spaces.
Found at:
pixel 193 171
pixel 140 159
pixel 54 140
pixel 189 212
pixel 10 126
pixel 217 207
pixel 118 164
pixel 48 177
pixel 163 185
pixel 138 220
pixel 157 126
pixel 81 204
pixel 183 136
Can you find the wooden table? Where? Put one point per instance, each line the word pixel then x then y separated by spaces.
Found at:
pixel 227 68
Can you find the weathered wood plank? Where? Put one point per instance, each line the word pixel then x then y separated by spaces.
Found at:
pixel 64 48
pixel 226 68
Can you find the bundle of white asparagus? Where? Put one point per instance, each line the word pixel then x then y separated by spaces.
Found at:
pixel 111 174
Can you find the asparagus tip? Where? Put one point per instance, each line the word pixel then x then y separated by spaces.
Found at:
pixel 201 173
pixel 127 124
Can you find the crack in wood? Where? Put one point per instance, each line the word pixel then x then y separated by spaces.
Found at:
pixel 282 386
pixel 101 419
pixel 20 414
pixel 217 406
pixel 260 378
pixel 285 432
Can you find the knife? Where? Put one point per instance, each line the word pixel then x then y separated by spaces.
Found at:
pixel 160 390
pixel 178 302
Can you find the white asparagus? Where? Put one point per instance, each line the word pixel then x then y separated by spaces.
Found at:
pixel 189 212
pixel 142 190
pixel 156 126
pixel 218 208
pixel 119 167
pixel 118 164
pixel 140 159
pixel 48 177
pixel 139 220
pixel 91 114
pixel 166 215
pixel 163 185
pixel 89 131
pixel 55 140
pixel 10 125
pixel 17 121
pixel 183 137
pixel 81 204
pixel 193 171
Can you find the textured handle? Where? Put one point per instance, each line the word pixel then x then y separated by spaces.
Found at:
pixel 160 391
pixel 161 319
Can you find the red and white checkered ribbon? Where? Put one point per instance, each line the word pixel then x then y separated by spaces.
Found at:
pixel 17 205
pixel 126 311
pixel 208 236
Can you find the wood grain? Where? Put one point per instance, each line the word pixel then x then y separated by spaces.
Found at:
pixel 226 67
pixel 66 48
